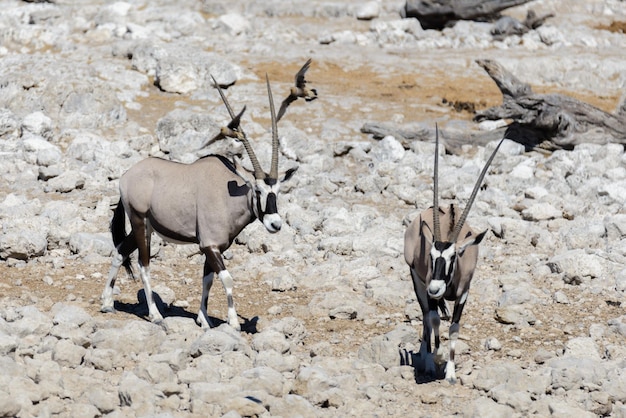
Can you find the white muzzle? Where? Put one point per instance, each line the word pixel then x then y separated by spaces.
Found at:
pixel 436 289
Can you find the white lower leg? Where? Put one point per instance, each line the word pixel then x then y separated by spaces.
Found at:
pixel 227 281
pixel 107 293
pixel 450 366
pixel 155 315
pixel 203 316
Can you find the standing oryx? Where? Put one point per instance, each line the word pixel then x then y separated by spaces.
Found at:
pixel 208 202
pixel 441 251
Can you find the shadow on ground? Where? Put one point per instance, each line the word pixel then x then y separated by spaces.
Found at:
pixel 413 359
pixel 140 309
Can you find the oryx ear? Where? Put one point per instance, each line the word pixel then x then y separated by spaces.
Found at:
pixel 472 240
pixel 427 229
pixel 287 174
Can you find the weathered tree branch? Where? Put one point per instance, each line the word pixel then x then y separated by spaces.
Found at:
pixel 549 121
pixel 437 14
pixel 507 26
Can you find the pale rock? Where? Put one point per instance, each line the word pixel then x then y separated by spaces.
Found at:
pixel 541 212
pixel 235 23
pixel 368 11
pixel 68 354
pixel 216 341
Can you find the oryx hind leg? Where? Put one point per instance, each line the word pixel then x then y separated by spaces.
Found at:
pixel 122 252
pixel 207 282
pixel 215 263
pixel 153 310
pixel 143 234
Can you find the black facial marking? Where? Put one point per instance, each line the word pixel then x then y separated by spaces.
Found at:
pixel 270 206
pixel 259 209
pixel 439 271
pixel 441 245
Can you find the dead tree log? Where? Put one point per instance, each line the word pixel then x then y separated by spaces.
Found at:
pixel 437 14
pixel 508 26
pixel 549 121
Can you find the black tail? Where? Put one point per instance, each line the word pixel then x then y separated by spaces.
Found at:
pixel 118 233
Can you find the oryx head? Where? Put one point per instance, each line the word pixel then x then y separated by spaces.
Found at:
pixel 445 252
pixel 264 185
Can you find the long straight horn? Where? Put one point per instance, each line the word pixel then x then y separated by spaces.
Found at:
pixel 436 223
pixel 224 99
pixel 274 168
pixel 459 225
pixel 258 171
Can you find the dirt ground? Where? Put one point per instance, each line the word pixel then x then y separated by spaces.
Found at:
pixel 81 284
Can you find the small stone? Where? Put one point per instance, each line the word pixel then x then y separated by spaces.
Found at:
pixel 368 11
pixel 493 344
pixel 542 355
pixel 560 297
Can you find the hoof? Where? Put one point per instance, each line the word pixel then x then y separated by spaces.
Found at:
pixel 107 309
pixel 161 324
pixel 203 321
pixel 233 321
pixel 203 324
pixel 450 373
pixel 156 319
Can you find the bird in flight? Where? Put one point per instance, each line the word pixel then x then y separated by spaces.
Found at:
pixel 299 90
pixel 231 130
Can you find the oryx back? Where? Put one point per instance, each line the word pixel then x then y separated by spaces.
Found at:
pixel 206 202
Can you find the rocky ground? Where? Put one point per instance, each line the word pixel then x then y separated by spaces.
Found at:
pixel 329 318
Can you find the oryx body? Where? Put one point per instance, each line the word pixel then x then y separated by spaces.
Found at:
pixel 208 202
pixel 180 204
pixel 441 250
pixel 418 250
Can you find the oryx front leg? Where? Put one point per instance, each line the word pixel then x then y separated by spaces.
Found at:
pixel 454 335
pixel 434 322
pixel 155 315
pixel 450 366
pixel 215 263
pixel 425 352
pixel 227 281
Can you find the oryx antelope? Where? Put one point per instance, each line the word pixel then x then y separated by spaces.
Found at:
pixel 441 250
pixel 208 202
